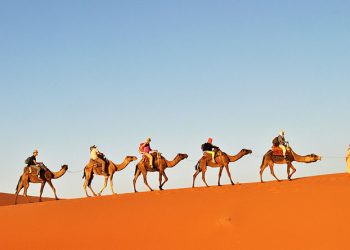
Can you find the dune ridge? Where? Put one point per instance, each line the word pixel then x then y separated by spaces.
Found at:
pixel 306 213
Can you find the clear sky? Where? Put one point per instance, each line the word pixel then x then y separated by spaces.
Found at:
pixel 112 73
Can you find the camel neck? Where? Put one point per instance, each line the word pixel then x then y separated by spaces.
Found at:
pixel 174 162
pixel 123 165
pixel 236 157
pixel 58 174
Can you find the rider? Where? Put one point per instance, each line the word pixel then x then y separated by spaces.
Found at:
pixel 95 156
pixel 210 148
pixel 145 149
pixel 282 143
pixel 32 163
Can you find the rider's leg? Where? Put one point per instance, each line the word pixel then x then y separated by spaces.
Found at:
pixel 150 159
pixel 103 165
pixel 212 155
pixel 284 150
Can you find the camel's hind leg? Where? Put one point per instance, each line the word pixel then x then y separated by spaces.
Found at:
pixel 26 185
pixel 41 190
pixel 272 171
pixel 262 168
pixel 203 176
pixel 144 174
pixel 289 167
pixel 19 188
pixel 195 175
pixel 104 185
pixel 137 174
pixel 219 177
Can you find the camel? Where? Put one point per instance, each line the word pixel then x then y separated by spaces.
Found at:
pixel 159 165
pixel 46 176
pixel 91 169
pixel 222 160
pixel 269 160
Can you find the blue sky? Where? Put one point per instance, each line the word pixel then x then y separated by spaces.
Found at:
pixel 111 73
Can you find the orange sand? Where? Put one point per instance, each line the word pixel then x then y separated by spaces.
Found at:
pixel 306 213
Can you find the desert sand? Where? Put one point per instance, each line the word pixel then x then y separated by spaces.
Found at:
pixel 306 213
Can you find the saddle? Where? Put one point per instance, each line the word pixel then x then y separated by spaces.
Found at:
pixel 277 151
pixel 155 156
pixel 33 170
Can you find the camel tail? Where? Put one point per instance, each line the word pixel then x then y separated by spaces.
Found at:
pixel 262 163
pixel 18 183
pixel 196 167
pixel 136 169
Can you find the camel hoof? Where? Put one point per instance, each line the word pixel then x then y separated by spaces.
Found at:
pixel 99 194
pixel 232 183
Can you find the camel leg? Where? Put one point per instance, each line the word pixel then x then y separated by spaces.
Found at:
pixel 195 175
pixel 87 178
pixel 53 188
pixel 137 174
pixel 104 185
pixel 160 180
pixel 89 185
pixel 262 168
pixel 19 188
pixel 111 183
pixel 41 190
pixel 290 166
pixel 165 180
pixel 144 174
pixel 26 185
pixel 203 177
pixel 273 172
pixel 229 174
pixel 220 172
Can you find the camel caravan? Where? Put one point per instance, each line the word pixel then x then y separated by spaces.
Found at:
pixel 154 161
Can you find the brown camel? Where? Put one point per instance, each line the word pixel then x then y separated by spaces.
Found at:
pixel 46 176
pixel 222 160
pixel 159 165
pixel 91 169
pixel 269 160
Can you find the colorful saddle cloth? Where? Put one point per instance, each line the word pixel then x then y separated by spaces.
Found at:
pixel 277 151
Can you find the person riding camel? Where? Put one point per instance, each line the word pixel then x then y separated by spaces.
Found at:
pixel 208 147
pixel 281 142
pixel 33 164
pixel 145 149
pixel 95 157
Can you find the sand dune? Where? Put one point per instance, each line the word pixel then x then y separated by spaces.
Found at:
pixel 306 213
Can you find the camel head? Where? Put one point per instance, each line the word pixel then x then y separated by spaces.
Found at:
pixel 182 156
pixel 246 151
pixel 312 158
pixel 65 167
pixel 131 158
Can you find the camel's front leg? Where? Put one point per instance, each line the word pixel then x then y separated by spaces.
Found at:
pixel 41 190
pixel 53 188
pixel 289 167
pixel 104 185
pixel 111 183
pixel 165 180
